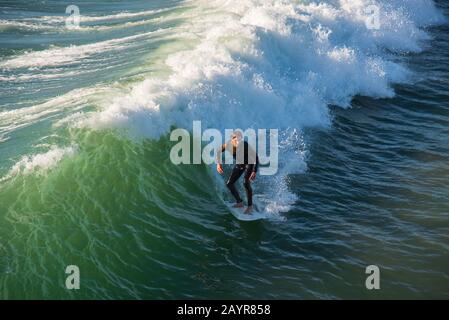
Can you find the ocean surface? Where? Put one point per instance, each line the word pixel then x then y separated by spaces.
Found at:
pixel 85 174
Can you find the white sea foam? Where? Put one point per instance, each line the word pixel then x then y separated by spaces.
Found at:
pixel 90 18
pixel 42 76
pixel 69 55
pixel 6 25
pixel 40 162
pixel 57 23
pixel 73 101
pixel 288 61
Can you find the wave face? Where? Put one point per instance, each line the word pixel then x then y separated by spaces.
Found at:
pixel 85 117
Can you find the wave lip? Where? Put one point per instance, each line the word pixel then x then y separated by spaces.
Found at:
pixel 40 162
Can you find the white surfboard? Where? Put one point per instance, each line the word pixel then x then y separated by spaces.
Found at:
pixel 239 213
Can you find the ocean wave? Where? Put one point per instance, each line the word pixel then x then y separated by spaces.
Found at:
pixel 90 18
pixel 273 64
pixel 57 23
pixel 70 55
pixel 7 25
pixel 19 118
pixel 281 58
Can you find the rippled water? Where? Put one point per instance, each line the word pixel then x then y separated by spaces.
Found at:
pixel 85 175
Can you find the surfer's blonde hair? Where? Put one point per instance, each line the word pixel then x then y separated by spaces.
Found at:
pixel 237 133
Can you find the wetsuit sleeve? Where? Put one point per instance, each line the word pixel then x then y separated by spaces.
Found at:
pixel 257 163
pixel 251 153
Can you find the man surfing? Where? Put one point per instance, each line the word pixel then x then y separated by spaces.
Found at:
pixel 246 161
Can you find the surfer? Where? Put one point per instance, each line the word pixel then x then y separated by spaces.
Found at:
pixel 246 161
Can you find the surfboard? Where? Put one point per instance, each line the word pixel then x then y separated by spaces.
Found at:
pixel 238 213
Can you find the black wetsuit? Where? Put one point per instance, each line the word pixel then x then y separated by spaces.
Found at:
pixel 248 164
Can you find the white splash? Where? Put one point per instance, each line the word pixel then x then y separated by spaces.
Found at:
pixel 40 162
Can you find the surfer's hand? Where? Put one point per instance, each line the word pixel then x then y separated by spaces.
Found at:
pixel 252 177
pixel 220 168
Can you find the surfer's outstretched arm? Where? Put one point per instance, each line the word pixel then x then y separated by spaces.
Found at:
pixel 218 158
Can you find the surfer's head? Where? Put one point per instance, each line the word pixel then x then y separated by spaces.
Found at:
pixel 236 137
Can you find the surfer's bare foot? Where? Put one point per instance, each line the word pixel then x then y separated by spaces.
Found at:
pixel 238 205
pixel 249 210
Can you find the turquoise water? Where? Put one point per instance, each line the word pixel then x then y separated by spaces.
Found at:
pixel 86 179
